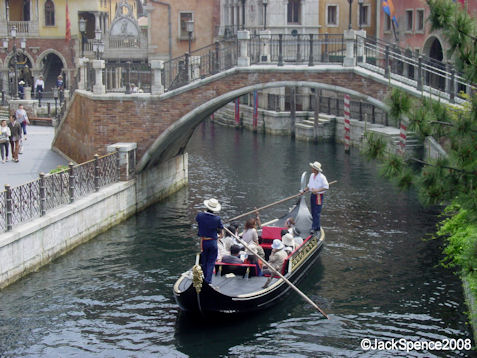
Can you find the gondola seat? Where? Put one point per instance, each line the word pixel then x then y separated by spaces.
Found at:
pixel 270 233
pixel 223 268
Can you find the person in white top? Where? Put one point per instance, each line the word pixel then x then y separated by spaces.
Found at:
pixel 39 88
pixel 317 185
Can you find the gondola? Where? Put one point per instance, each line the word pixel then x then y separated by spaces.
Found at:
pixel 235 289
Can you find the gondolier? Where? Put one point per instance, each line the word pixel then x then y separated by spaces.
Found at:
pixel 209 225
pixel 317 185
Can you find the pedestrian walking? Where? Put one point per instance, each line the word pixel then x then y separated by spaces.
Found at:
pixel 5 134
pixel 22 118
pixel 16 135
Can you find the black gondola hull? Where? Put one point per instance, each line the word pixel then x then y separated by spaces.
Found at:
pixel 212 303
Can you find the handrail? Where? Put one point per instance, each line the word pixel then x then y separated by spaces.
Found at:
pixel 34 198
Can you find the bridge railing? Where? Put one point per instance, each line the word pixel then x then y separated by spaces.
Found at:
pixel 199 64
pixel 419 71
pixel 296 49
pixel 31 200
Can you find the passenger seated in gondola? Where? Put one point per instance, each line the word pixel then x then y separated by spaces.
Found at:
pixel 290 224
pixel 233 258
pixel 252 259
pixel 222 248
pixel 289 243
pixel 226 241
pixel 250 233
pixel 277 257
pixel 297 237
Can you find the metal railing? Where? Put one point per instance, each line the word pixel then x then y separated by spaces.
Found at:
pixel 31 200
pixel 199 64
pixel 421 72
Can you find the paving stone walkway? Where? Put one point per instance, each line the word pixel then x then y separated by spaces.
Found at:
pixel 37 157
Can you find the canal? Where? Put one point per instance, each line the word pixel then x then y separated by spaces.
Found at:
pixel 377 276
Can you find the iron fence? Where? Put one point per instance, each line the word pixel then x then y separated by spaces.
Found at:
pixel 31 200
pixel 199 64
pixel 419 71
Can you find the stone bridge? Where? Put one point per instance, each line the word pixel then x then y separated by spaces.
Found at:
pixel 162 123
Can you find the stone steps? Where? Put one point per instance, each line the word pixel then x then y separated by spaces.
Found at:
pixel 4 113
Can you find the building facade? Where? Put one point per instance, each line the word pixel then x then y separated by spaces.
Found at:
pixel 413 31
pixel 168 21
pixel 42 45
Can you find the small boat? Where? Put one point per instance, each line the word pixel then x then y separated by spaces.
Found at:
pixel 235 288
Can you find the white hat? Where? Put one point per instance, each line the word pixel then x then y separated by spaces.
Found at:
pixel 288 240
pixel 316 165
pixel 21 82
pixel 212 205
pixel 277 244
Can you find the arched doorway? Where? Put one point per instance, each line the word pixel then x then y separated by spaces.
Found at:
pixel 51 68
pixel 23 71
pixel 433 49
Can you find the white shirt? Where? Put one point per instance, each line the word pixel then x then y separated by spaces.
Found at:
pixel 317 181
pixel 39 82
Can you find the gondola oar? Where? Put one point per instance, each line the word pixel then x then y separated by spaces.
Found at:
pixel 272 204
pixel 275 271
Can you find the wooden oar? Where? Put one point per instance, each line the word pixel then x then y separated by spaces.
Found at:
pixel 276 272
pixel 272 204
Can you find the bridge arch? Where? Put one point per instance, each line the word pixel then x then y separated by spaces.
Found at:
pixel 175 138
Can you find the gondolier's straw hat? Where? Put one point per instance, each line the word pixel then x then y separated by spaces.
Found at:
pixel 212 205
pixel 316 165
pixel 277 244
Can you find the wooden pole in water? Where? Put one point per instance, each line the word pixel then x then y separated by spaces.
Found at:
pixel 276 272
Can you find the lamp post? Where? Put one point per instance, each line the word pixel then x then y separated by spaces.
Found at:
pixel 98 44
pixel 13 34
pixel 265 3
pixel 360 22
pixel 350 4
pixel 243 14
pixel 190 30
pixel 82 28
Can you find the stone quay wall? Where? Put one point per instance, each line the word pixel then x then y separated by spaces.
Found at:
pixel 38 242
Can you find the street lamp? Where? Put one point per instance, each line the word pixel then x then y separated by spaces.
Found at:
pixel 82 28
pixel 350 3
pixel 265 3
pixel 360 2
pixel 98 44
pixel 13 34
pixel 243 14
pixel 190 30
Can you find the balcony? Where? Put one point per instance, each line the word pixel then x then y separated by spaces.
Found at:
pixel 24 28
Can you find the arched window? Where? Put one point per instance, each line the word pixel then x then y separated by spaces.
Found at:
pixel 293 11
pixel 49 13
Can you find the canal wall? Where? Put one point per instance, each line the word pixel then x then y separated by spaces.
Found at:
pixel 330 127
pixel 34 244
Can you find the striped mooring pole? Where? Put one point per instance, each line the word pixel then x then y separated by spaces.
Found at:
pixel 347 127
pixel 402 137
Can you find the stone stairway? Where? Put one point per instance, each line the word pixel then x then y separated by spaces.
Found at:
pixel 392 136
pixel 4 113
